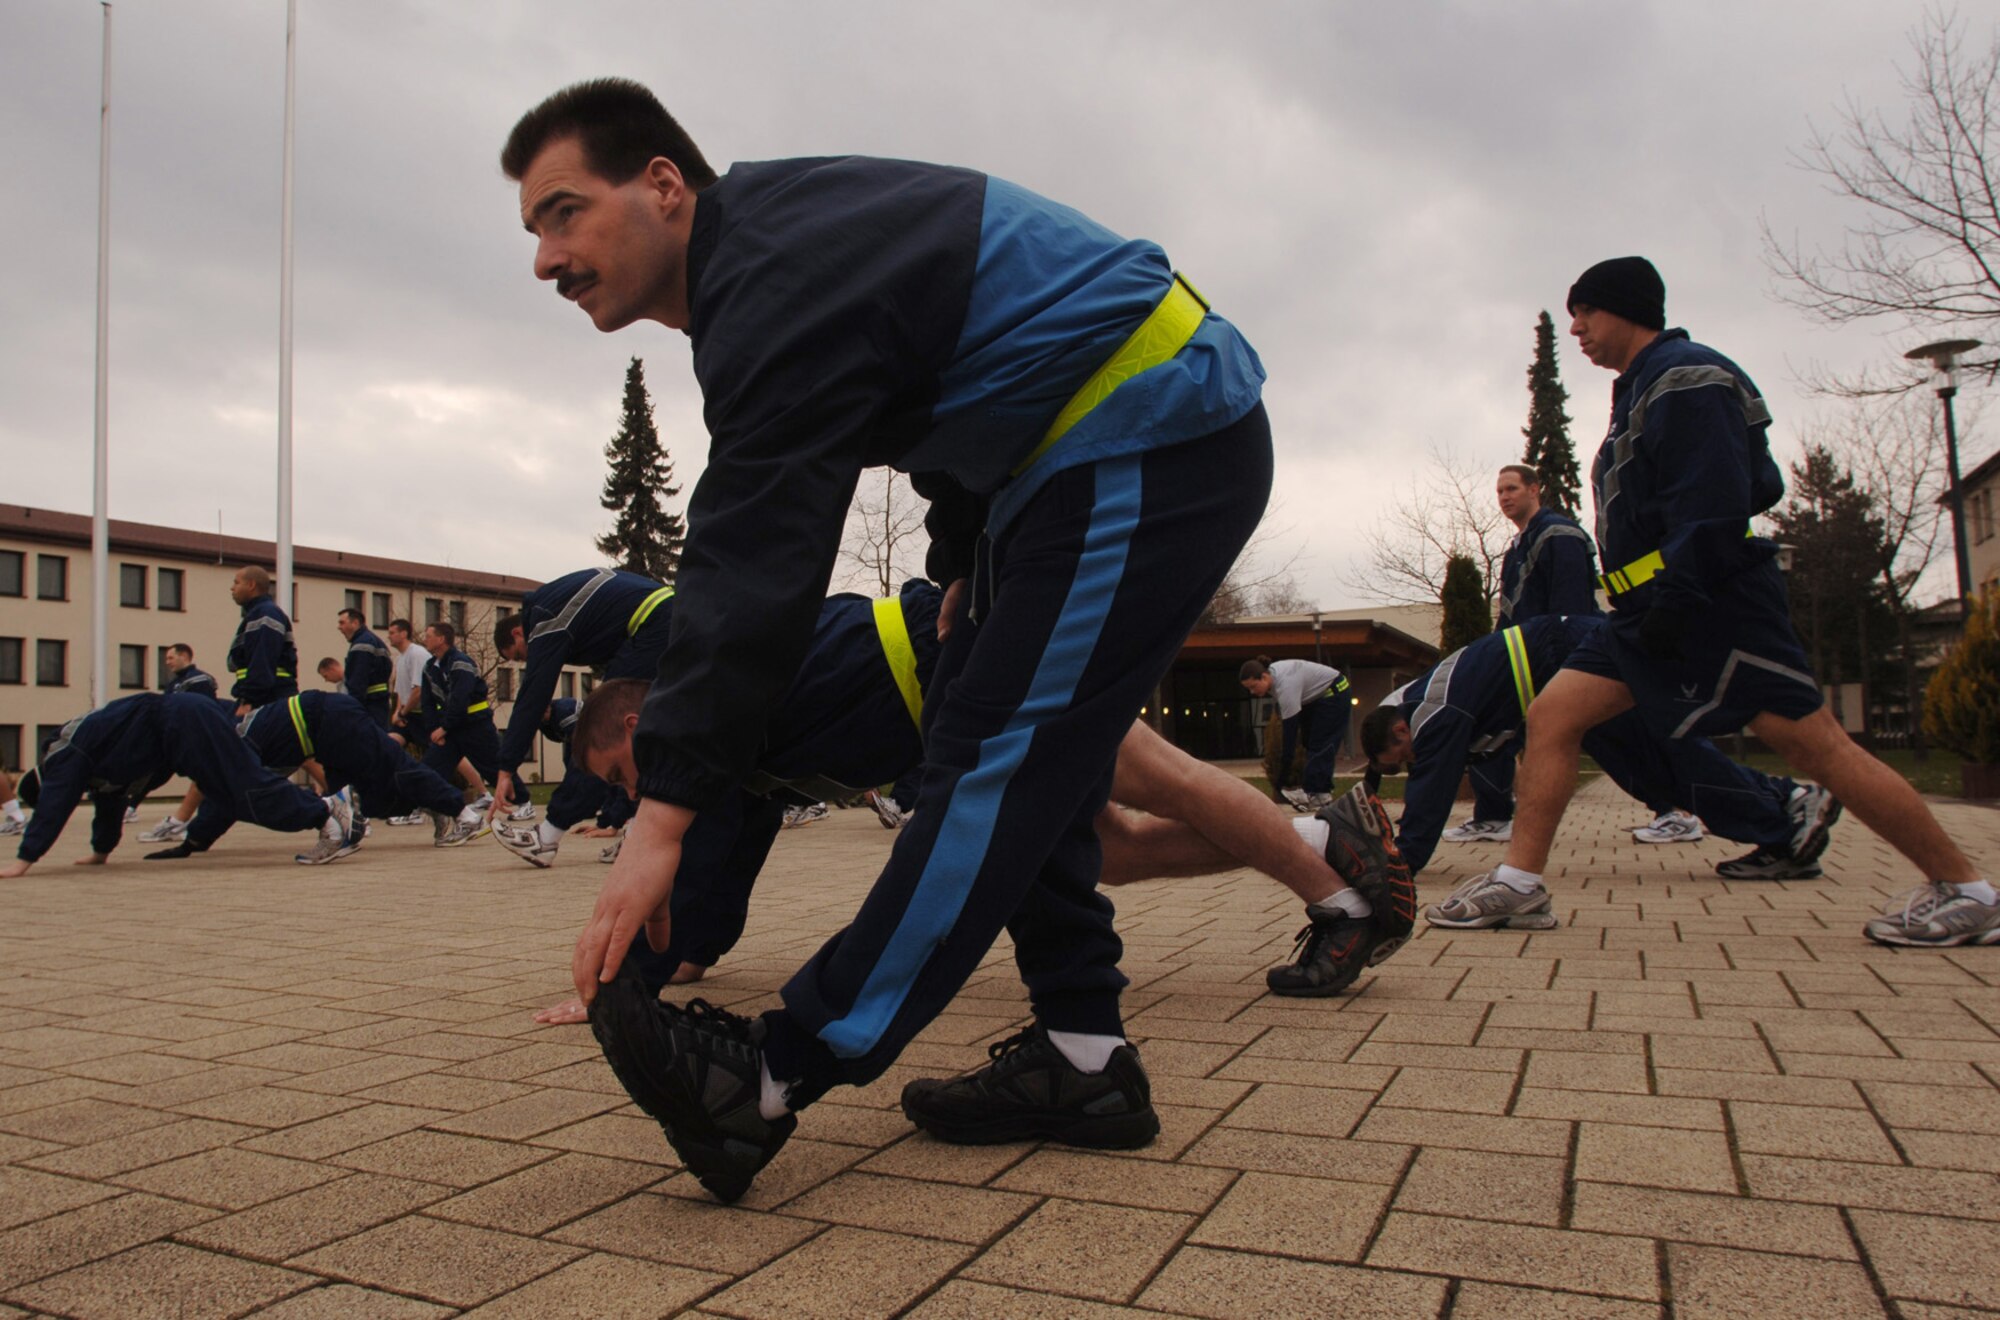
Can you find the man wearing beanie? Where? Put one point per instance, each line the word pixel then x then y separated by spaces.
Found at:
pixel 1700 638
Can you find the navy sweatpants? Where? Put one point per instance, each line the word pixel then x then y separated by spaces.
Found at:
pixel 353 750
pixel 1493 788
pixel 1732 800
pixel 1322 728
pixel 1077 611
pixel 208 751
pixel 476 741
pixel 721 856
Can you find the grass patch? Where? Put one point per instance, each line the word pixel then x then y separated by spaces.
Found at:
pixel 1936 774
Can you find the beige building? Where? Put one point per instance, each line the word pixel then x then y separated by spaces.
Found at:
pixel 169 585
pixel 1982 531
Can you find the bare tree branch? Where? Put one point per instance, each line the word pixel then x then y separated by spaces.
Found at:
pixel 1450 511
pixel 885 540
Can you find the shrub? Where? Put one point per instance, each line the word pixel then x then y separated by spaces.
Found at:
pixel 1962 703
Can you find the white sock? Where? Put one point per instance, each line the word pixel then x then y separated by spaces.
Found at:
pixel 1980 889
pixel 548 834
pixel 1086 1053
pixel 771 1095
pixel 470 816
pixel 1314 831
pixel 1521 882
pixel 1348 901
pixel 11 809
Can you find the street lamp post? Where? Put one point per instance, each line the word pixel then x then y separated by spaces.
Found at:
pixel 1943 357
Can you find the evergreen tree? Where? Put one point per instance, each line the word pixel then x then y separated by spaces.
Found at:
pixel 1549 450
pixel 1467 617
pixel 647 538
pixel 1836 593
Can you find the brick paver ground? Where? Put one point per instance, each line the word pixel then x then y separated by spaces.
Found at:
pixel 246 1086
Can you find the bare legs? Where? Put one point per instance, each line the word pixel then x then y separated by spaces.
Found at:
pixel 1572 705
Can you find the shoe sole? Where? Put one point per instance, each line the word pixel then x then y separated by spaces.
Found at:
pixel 1906 942
pixel 460 843
pixel 1819 833
pixel 1809 872
pixel 1511 920
pixel 1108 1132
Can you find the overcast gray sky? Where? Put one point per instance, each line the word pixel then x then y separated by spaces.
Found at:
pixel 1381 196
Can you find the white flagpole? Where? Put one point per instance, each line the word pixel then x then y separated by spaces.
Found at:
pixel 283 568
pixel 100 509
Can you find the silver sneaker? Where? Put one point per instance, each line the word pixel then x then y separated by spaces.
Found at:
pixel 610 854
pixel 1670 827
pixel 797 816
pixel 483 803
pixel 131 815
pixel 1480 831
pixel 526 844
pixel 455 833
pixel 337 838
pixel 1813 811
pixel 886 810
pixel 1296 796
pixel 526 811
pixel 1317 802
pixel 166 831
pixel 1483 901
pixel 1938 916
pixel 13 825
pixel 414 818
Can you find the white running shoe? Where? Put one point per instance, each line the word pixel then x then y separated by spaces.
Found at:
pixel 797 816
pixel 483 803
pixel 886 810
pixel 1481 901
pixel 1670 827
pixel 451 833
pixel 13 824
pixel 610 854
pixel 337 838
pixel 167 831
pixel 414 818
pixel 131 815
pixel 1297 797
pixel 526 811
pixel 527 844
pixel 1937 916
pixel 1480 831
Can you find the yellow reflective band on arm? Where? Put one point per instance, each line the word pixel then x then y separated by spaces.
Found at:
pixel 1163 333
pixel 1341 684
pixel 379 687
pixel 1517 660
pixel 282 673
pixel 1640 571
pixel 645 610
pixel 298 715
pixel 242 673
pixel 902 656
pixel 476 707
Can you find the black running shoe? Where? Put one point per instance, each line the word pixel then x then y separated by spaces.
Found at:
pixel 1031 1090
pixel 1813 811
pixel 1768 863
pixel 696 1071
pixel 1332 951
pixel 1361 846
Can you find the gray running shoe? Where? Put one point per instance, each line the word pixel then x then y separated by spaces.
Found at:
pixel 414 818
pixel 167 831
pixel 131 816
pixel 1813 811
pixel 610 854
pixel 13 825
pixel 1670 827
pixel 1480 831
pixel 451 833
pixel 527 845
pixel 1938 916
pixel 886 810
pixel 1296 796
pixel 797 816
pixel 1318 802
pixel 1483 901
pixel 1767 863
pixel 337 838
pixel 526 811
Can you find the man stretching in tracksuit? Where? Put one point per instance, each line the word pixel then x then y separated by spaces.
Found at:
pixel 262 657
pixel 369 667
pixel 1466 715
pixel 1036 374
pixel 137 743
pixel 456 712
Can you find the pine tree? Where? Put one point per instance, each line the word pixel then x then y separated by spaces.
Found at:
pixel 646 539
pixel 1549 449
pixel 1467 618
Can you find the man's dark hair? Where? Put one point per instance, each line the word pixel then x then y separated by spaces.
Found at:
pixel 1377 730
pixel 446 631
pixel 183 648
pixel 404 624
pixel 326 663
pixel 620 125
pixel 351 614
pixel 1253 669
pixel 1529 476
pixel 503 630
pixel 600 720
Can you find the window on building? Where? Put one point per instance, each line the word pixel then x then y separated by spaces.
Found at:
pixel 132 586
pixel 160 671
pixel 172 589
pixel 458 616
pixel 569 684
pixel 505 678
pixel 52 577
pixel 378 610
pixel 11 651
pixel 13 573
pixel 51 663
pixel 433 609
pixel 44 735
pixel 353 600
pixel 589 682
pixel 10 747
pixel 131 666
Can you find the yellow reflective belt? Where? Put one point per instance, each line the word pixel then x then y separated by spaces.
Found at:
pixel 379 687
pixel 242 673
pixel 645 610
pixel 902 657
pixel 1640 571
pixel 282 673
pixel 1517 660
pixel 476 707
pixel 1163 333
pixel 1341 684
pixel 299 725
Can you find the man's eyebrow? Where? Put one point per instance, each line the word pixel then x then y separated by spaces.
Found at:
pixel 544 206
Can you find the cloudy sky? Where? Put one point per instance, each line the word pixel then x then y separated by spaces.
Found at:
pixel 1383 197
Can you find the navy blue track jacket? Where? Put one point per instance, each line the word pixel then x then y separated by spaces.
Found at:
pixel 1687 463
pixel 368 669
pixel 115 755
pixel 850 313
pixel 580 618
pixel 1551 568
pixel 452 686
pixel 192 681
pixel 262 656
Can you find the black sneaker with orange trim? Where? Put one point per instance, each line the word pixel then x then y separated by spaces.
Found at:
pixel 1334 948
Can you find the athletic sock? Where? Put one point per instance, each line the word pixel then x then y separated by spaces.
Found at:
pixel 1347 902
pixel 1314 831
pixel 1086 1053
pixel 771 1094
pixel 11 809
pixel 548 834
pixel 469 816
pixel 1521 882
pixel 1980 889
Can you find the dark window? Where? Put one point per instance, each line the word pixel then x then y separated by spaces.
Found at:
pixel 352 600
pixel 506 681
pixel 44 735
pixel 131 666
pixel 13 573
pixel 569 683
pixel 11 651
pixel 171 589
pixel 589 682
pixel 51 663
pixel 378 613
pixel 10 747
pixel 433 609
pixel 458 616
pixel 52 577
pixel 132 586
pixel 160 671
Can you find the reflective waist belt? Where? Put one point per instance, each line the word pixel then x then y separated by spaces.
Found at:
pixel 298 714
pixel 476 707
pixel 1338 685
pixel 379 687
pixel 282 673
pixel 1640 571
pixel 902 657
pixel 1517 660
pixel 645 610
pixel 1159 337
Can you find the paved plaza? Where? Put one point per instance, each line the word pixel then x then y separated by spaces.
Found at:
pixel 246 1086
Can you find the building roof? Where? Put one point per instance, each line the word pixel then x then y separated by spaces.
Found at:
pixel 1360 641
pixel 52 527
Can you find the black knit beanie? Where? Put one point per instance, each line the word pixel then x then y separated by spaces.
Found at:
pixel 1624 286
